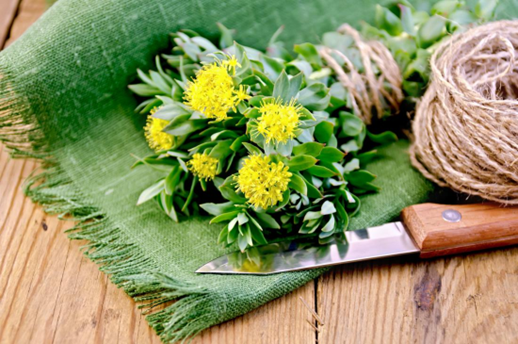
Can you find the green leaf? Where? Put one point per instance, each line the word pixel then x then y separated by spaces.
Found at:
pixel 297 183
pixel 144 90
pixel 272 66
pixel 160 83
pixel 359 177
pixel 166 203
pixel 228 191
pixel 445 7
pixel 221 150
pixel 225 216
pixel 485 9
pixel 309 53
pixel 315 97
pixel 294 88
pixel 222 238
pixel 321 171
pixel 420 66
pixel 232 236
pixel 330 225
pixel 382 138
pixel 183 125
pixel 256 101
pixel 350 146
pixel 286 89
pixel 285 199
pixel 431 31
pixel 312 215
pixel 407 21
pixel 352 165
pixel 313 191
pixel 281 86
pixel 301 162
pixel 308 148
pixel 267 221
pixel 352 125
pixel 252 113
pixel 388 21
pixel 330 155
pixel 341 217
pixel 216 209
pixel 257 235
pixel 242 58
pixel 461 18
pixel 226 39
pixel 362 179
pixel 191 194
pixel 324 131
pixel 327 208
pixel 151 192
pixel 242 218
pixel 172 180
pixel 242 242
pixel 251 148
pixel 236 145
pixel 267 85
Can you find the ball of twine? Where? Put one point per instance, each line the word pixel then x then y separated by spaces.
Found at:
pixel 466 125
pixel 375 88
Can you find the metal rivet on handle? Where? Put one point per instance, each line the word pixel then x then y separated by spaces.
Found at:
pixel 451 215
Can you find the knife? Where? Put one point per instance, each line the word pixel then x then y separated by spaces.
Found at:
pixel 427 229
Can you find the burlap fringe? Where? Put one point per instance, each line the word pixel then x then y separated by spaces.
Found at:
pixel 183 312
pixel 466 125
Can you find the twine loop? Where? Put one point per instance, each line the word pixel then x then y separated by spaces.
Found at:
pixel 376 88
pixel 466 124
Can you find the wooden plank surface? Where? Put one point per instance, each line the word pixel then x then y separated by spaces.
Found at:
pixel 464 299
pixel 50 293
pixel 9 9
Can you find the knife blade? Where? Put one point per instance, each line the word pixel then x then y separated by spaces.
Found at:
pixel 427 229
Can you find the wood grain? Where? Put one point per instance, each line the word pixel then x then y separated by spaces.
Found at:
pixel 465 299
pixel 480 226
pixel 9 8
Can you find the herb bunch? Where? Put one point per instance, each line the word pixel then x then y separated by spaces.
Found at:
pixel 264 141
pixel 413 32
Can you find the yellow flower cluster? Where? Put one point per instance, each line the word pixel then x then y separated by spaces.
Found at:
pixel 263 181
pixel 156 138
pixel 212 92
pixel 278 122
pixel 203 166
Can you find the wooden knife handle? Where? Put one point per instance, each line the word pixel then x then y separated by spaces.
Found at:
pixel 449 229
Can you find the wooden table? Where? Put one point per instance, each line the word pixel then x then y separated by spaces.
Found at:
pixel 50 293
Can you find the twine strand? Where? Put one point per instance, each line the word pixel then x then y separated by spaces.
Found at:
pixel 368 93
pixel 466 124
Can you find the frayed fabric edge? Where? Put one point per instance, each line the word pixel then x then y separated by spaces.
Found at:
pixel 176 310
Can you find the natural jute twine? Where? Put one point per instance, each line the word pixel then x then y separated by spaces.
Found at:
pixel 466 125
pixel 372 89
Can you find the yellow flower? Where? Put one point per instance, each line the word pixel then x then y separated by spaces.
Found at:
pixel 212 92
pixel 156 138
pixel 203 166
pixel 241 95
pixel 262 181
pixel 278 122
pixel 231 63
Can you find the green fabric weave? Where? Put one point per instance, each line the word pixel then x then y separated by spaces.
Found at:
pixel 64 100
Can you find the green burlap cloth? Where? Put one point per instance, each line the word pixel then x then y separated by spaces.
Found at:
pixel 64 100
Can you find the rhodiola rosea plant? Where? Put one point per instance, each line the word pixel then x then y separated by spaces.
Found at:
pixel 264 141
